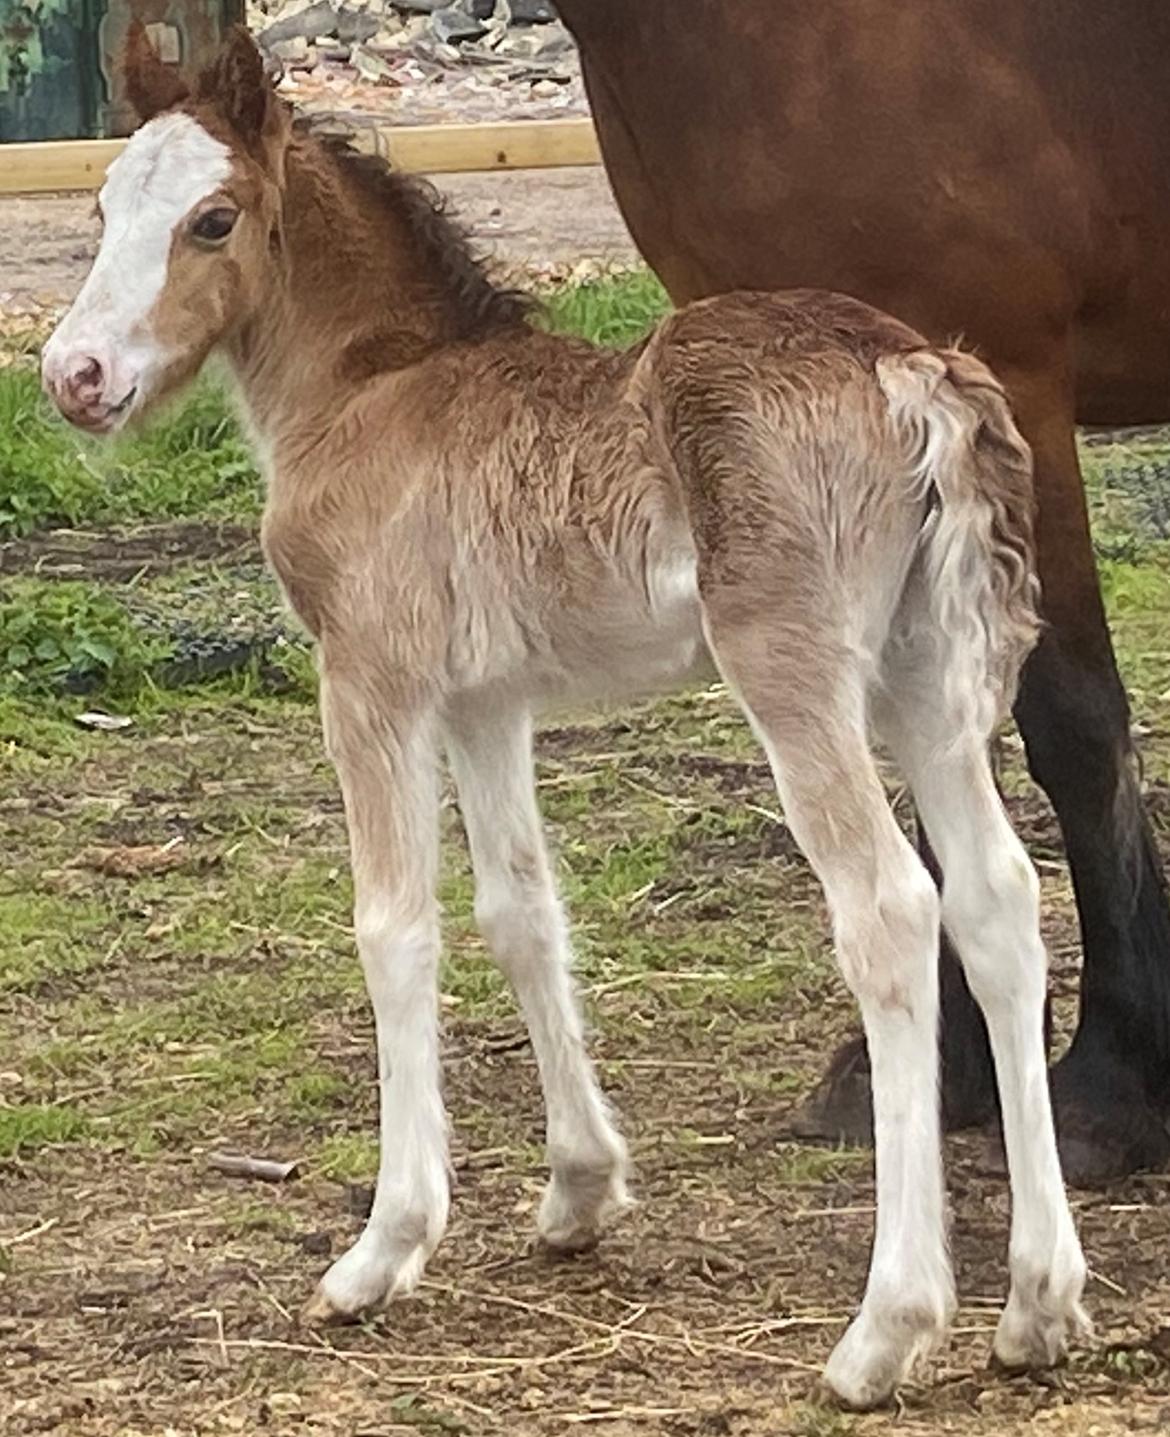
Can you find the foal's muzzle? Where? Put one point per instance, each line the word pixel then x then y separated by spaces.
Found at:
pixel 79 386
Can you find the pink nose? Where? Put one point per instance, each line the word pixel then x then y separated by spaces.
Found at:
pixel 77 383
pixel 81 384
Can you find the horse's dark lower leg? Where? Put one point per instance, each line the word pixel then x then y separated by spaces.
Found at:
pixel 1113 1086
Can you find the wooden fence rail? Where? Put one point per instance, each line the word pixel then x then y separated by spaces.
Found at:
pixel 48 166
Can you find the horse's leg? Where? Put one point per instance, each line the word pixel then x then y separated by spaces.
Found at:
pixel 990 906
pixel 386 764
pixel 520 917
pixel 810 716
pixel 840 1108
pixel 1112 1090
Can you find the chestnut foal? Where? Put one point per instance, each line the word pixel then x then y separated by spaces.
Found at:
pixel 475 518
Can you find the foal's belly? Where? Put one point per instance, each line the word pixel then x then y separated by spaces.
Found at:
pixel 623 635
pixel 638 636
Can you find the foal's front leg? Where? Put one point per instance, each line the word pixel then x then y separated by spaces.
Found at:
pixel 520 917
pixel 386 763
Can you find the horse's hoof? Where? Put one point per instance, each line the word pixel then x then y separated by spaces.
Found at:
pixel 840 1108
pixel 880 1348
pixel 581 1201
pixel 1106 1128
pixel 1099 1146
pixel 320 1312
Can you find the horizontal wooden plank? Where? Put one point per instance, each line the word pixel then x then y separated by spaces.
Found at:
pixel 515 145
pixel 57 165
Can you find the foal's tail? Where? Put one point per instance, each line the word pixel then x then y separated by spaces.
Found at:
pixel 976 557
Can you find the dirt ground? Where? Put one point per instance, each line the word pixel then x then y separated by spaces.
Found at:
pixel 526 219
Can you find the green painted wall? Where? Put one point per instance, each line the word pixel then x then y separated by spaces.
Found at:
pixel 48 69
pixel 58 76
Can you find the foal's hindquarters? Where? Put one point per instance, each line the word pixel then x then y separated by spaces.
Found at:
pixel 864 561
pixel 855 513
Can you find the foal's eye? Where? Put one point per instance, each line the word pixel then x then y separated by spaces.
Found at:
pixel 214 225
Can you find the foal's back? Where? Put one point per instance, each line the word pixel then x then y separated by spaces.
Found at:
pixel 539 515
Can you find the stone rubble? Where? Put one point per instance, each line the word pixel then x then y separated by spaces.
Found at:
pixel 422 61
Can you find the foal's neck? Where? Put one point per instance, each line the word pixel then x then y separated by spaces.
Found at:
pixel 372 278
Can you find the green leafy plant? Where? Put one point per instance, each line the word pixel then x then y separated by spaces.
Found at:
pixel 69 634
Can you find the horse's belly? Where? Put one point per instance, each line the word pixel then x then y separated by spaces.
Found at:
pixel 634 638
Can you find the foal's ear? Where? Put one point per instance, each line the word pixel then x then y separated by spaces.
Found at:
pixel 235 83
pixel 151 86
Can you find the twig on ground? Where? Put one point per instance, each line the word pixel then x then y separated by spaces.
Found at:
pixel 239 1165
pixel 30 1233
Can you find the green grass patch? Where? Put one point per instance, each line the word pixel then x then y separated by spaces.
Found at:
pixel 617 310
pixel 29 1126
pixel 193 463
pixel 50 936
pixel 801 1166
pixel 348 1157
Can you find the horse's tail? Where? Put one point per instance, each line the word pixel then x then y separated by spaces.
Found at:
pixel 977 557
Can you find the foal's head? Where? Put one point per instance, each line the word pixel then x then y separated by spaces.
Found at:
pixel 191 216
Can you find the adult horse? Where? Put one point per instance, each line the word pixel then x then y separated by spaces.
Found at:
pixel 999 169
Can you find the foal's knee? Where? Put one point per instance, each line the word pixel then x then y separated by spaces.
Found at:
pixel 520 925
pixel 992 911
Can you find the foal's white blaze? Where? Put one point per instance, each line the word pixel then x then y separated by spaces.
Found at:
pixel 103 351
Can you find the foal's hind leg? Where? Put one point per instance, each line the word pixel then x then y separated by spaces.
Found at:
pixel 809 714
pixel 990 906
pixel 518 913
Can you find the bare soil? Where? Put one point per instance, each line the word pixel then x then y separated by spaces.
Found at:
pixel 115 555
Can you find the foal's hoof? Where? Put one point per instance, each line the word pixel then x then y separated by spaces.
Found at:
pixel 1043 1312
pixel 319 1311
pixel 374 1270
pixel 1032 1337
pixel 1031 1342
pixel 581 1201
pixel 874 1356
pixel 840 1109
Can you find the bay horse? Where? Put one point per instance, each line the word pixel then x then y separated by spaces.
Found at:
pixel 475 518
pixel 997 169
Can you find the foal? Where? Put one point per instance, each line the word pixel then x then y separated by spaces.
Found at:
pixel 475 518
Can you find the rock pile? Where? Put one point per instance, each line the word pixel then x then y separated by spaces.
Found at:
pixel 488 56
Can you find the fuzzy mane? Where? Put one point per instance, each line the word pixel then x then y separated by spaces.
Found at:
pixel 476 306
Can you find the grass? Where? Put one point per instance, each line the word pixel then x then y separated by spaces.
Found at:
pixel 30 1126
pixel 194 463
pixel 615 311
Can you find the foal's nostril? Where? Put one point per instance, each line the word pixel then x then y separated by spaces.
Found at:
pixel 84 380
